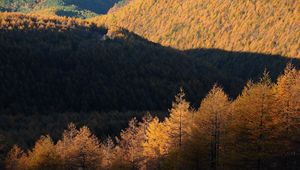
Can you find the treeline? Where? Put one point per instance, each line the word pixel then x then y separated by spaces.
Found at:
pixel 24 130
pixel 258 130
pixel 69 65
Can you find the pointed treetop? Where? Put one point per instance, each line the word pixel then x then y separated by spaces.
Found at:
pixel 265 79
pixel 288 68
pixel 147 117
pixel 216 89
pixel 180 96
pixel 71 126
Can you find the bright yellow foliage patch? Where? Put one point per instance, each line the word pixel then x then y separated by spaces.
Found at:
pixel 263 26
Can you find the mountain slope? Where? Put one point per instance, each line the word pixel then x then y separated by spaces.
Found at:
pixel 62 64
pixel 71 8
pixel 270 27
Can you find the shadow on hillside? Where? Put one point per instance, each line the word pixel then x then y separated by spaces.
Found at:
pixel 234 64
pixel 78 70
pixel 85 70
pixel 244 65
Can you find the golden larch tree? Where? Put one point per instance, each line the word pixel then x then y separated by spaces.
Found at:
pixel 43 155
pixel 156 143
pixel 287 91
pixel 210 128
pixel 80 149
pixel 177 129
pixel 16 159
pixel 255 125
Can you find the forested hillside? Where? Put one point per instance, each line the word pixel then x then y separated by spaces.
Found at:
pixel 71 8
pixel 269 27
pixel 59 65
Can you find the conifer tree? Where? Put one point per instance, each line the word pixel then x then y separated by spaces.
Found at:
pixel 255 123
pixel 177 128
pixel 155 145
pixel 43 155
pixel 88 153
pixel 178 124
pixel 287 92
pixel 16 159
pixel 65 146
pixel 129 144
pixel 210 128
pixel 80 149
pixel 109 154
pixel 132 140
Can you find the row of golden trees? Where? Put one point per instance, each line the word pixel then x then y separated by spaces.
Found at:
pixel 255 131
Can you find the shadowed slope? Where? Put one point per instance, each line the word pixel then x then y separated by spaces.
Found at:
pixel 244 65
pixel 60 64
pixel 80 69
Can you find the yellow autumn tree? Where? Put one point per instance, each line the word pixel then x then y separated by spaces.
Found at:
pixel 255 125
pixel 178 129
pixel 43 155
pixel 131 142
pixel 109 154
pixel 16 159
pixel 178 124
pixel 287 91
pixel 156 144
pixel 79 149
pixel 210 129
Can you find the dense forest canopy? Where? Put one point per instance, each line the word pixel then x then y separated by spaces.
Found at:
pixel 71 8
pixel 260 26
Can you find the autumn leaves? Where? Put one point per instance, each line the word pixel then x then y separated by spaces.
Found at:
pixel 77 148
pixel 252 132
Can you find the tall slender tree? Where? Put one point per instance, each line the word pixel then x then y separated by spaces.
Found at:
pixel 287 91
pixel 131 142
pixel 210 128
pixel 178 124
pixel 109 154
pixel 255 123
pixel 178 129
pixel 156 144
